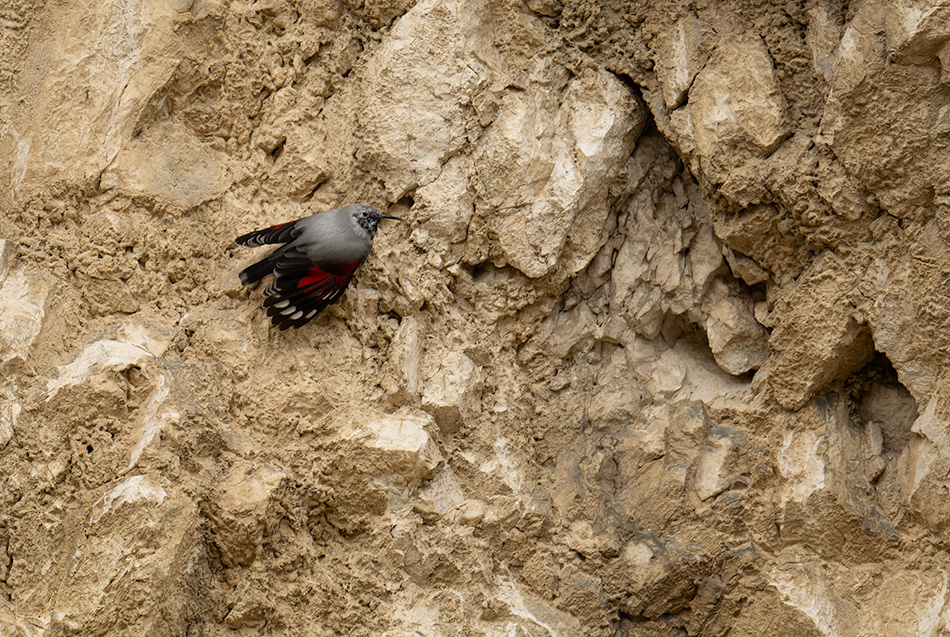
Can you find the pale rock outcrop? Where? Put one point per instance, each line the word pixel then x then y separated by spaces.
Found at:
pixel 823 35
pixel 682 53
pixel 736 338
pixel 801 464
pixel 108 576
pixel 69 134
pixel 736 111
pixel 407 352
pixel 417 86
pixel 920 466
pixel 23 302
pixel 564 165
pixel 9 410
pixel 445 206
pixel 7 252
pixel 830 595
pixel 670 263
pixel 612 399
pixel 177 182
pixel 96 360
pixel 713 474
pixel 918 33
pixel 244 509
pixel 398 445
pixel 451 392
pixel 912 38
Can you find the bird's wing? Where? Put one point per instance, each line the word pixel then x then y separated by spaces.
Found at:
pixel 302 290
pixel 257 271
pixel 281 233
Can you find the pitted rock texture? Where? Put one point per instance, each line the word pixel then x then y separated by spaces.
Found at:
pixel 661 350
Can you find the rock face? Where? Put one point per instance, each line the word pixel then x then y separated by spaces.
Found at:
pixel 661 351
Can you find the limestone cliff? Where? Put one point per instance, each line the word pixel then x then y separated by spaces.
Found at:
pixel 662 350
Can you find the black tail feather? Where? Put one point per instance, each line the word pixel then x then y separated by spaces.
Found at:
pixel 257 271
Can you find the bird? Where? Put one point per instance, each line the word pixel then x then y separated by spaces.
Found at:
pixel 318 258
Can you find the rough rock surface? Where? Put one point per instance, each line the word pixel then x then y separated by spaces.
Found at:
pixel 662 350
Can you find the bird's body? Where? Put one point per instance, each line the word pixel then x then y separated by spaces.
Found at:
pixel 320 255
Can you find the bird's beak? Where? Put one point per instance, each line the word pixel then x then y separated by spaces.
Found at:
pixel 391 217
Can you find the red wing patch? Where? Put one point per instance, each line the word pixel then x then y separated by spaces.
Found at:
pixel 293 300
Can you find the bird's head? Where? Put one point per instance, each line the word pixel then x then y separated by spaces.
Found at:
pixel 368 217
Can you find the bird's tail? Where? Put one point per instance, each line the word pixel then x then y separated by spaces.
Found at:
pixel 257 271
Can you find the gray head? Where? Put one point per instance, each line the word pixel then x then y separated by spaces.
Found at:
pixel 367 217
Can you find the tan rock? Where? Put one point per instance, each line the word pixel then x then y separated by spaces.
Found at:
pixel 613 399
pixel 131 490
pixel 98 357
pixel 157 414
pixel 170 166
pixel 823 35
pixel 818 340
pixel 16 626
pixel 712 471
pixel 244 510
pixel 917 33
pixel 563 333
pixel 85 100
pixel 444 207
pixel 801 464
pixel 682 52
pixel 9 410
pixel 920 465
pixel 407 351
pixel 912 36
pixel 705 258
pixel 139 536
pixel 824 594
pixel 567 305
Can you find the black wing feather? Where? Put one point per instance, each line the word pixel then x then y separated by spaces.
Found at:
pixel 281 233
pixel 296 298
